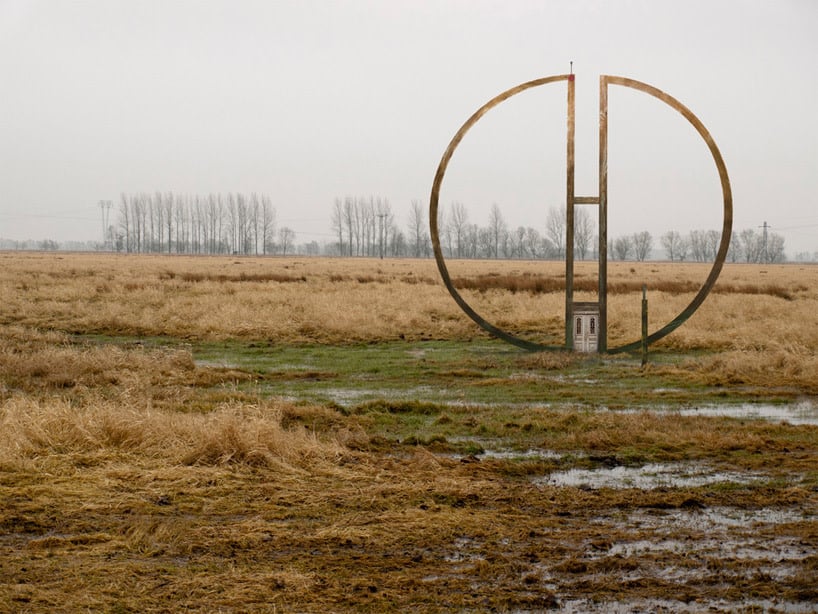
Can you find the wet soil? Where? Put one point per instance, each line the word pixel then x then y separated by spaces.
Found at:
pixel 412 531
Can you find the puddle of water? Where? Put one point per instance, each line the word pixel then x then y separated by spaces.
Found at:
pixel 219 364
pixel 675 546
pixel 778 552
pixel 587 606
pixel 803 412
pixel 518 455
pixel 647 477
pixel 722 533
pixel 712 518
pixel 465 550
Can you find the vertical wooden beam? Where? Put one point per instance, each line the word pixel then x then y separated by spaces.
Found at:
pixel 569 220
pixel 644 325
pixel 603 215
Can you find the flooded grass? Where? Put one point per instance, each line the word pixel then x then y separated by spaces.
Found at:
pixel 485 372
pixel 799 412
pixel 654 475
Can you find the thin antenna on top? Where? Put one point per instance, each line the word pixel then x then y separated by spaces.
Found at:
pixel 572 67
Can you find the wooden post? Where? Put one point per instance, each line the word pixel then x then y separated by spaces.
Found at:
pixel 603 215
pixel 644 325
pixel 569 220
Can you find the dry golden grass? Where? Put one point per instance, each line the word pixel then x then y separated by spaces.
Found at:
pixel 240 433
pixel 762 318
pixel 348 300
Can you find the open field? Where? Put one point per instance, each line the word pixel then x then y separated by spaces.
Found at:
pixel 315 435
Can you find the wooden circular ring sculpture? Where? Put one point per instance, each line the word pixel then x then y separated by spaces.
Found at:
pixel 727 223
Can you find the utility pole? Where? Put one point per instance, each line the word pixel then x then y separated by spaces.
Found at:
pixel 765 254
pixel 105 208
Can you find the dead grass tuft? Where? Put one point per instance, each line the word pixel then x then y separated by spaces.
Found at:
pixel 251 437
pixel 243 434
pixel 791 366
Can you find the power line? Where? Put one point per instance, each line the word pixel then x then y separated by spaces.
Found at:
pixel 47 216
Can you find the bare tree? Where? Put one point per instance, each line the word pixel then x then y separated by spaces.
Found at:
pixel 168 214
pixel 189 217
pixel 642 245
pixel 417 229
pixel 555 230
pixel 485 243
pixel 141 216
pixel 519 244
pixel 125 221
pixel 286 239
pixel 397 242
pixel 674 245
pixel 497 229
pixel 751 245
pixel 268 224
pixel 775 248
pixel 538 246
pixel 255 215
pixel 712 238
pixel 338 223
pixel 704 244
pixel 734 250
pixel 349 221
pixel 622 247
pixel 583 232
pixel 458 220
pixel 444 230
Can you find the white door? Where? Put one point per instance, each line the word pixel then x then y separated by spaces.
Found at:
pixel 585 332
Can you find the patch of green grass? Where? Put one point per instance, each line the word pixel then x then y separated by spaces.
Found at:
pixel 463 397
pixel 484 372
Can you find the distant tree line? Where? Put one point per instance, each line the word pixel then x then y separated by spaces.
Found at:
pixel 747 245
pixel 195 224
pixel 367 227
pixel 164 222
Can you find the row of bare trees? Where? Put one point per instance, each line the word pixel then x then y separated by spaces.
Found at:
pixel 746 245
pixel 195 224
pixel 461 238
pixel 368 227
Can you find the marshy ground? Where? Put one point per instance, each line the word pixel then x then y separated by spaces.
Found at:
pixel 331 436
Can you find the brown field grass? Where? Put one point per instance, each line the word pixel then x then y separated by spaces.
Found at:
pixel 350 300
pixel 133 479
pixel 763 319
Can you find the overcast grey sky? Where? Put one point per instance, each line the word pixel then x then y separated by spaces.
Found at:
pixel 308 100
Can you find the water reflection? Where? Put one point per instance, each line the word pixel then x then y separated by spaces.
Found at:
pixel 654 475
pixel 803 412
